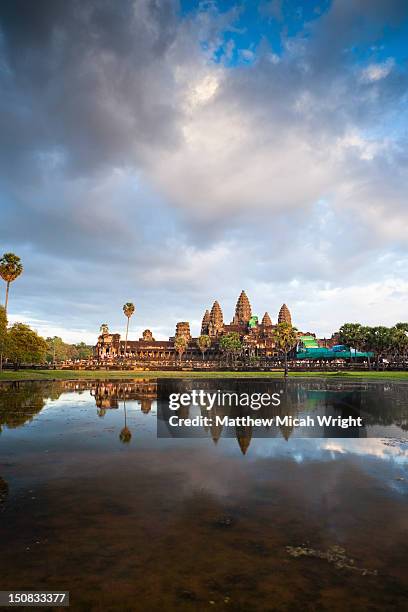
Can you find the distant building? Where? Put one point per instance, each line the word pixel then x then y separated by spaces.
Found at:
pixel 256 337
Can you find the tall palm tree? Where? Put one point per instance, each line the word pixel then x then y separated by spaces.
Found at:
pixel 204 343
pixel 180 345
pixel 10 269
pixel 285 337
pixel 128 310
pixel 125 433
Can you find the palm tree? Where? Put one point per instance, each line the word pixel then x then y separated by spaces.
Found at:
pixel 125 433
pixel 204 343
pixel 354 336
pixel 180 345
pixel 285 337
pixel 10 269
pixel 380 341
pixel 128 310
pixel 3 333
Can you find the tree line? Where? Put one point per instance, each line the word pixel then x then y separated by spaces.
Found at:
pixel 385 342
pixel 19 343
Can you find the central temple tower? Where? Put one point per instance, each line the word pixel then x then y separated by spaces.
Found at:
pixel 243 310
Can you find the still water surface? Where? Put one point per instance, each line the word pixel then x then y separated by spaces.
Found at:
pixel 92 502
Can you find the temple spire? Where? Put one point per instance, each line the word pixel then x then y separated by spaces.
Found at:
pixel 216 323
pixel 284 315
pixel 266 320
pixel 205 323
pixel 243 311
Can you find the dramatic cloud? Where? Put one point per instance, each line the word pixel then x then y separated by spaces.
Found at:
pixel 172 155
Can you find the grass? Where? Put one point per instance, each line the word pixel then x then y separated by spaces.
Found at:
pixel 130 374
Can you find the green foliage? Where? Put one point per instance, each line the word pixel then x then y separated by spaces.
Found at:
pixel 82 350
pixel 285 337
pixel 353 335
pixel 10 267
pixel 24 345
pixel 20 403
pixel 231 343
pixel 180 345
pixel 128 309
pixel 204 343
pixel 399 339
pixel 3 326
pixel 57 350
pixel 381 340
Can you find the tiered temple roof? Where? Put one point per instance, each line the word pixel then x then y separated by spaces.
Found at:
pixel 216 324
pixel 243 311
pixel 147 336
pixel 183 329
pixel 266 320
pixel 284 315
pixel 205 323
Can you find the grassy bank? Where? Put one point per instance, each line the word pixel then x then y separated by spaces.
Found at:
pixel 126 374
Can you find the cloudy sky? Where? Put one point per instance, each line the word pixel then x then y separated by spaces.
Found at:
pixel 173 153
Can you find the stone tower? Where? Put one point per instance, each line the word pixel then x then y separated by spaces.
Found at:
pixel 216 323
pixel 284 315
pixel 205 323
pixel 147 336
pixel 243 311
pixel 183 329
pixel 266 320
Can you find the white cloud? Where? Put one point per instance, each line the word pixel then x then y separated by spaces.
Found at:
pixel 376 72
pixel 179 180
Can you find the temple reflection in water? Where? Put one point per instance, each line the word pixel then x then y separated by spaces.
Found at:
pixel 20 402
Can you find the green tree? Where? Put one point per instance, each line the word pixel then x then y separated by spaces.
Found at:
pixel 231 344
pixel 399 340
pixel 57 350
pixel 128 310
pixel 379 340
pixel 10 269
pixel 24 345
pixel 364 344
pixel 285 337
pixel 3 333
pixel 204 343
pixel 84 351
pixel 180 345
pixel 355 336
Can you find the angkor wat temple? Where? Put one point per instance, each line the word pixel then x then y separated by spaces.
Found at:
pixel 256 337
